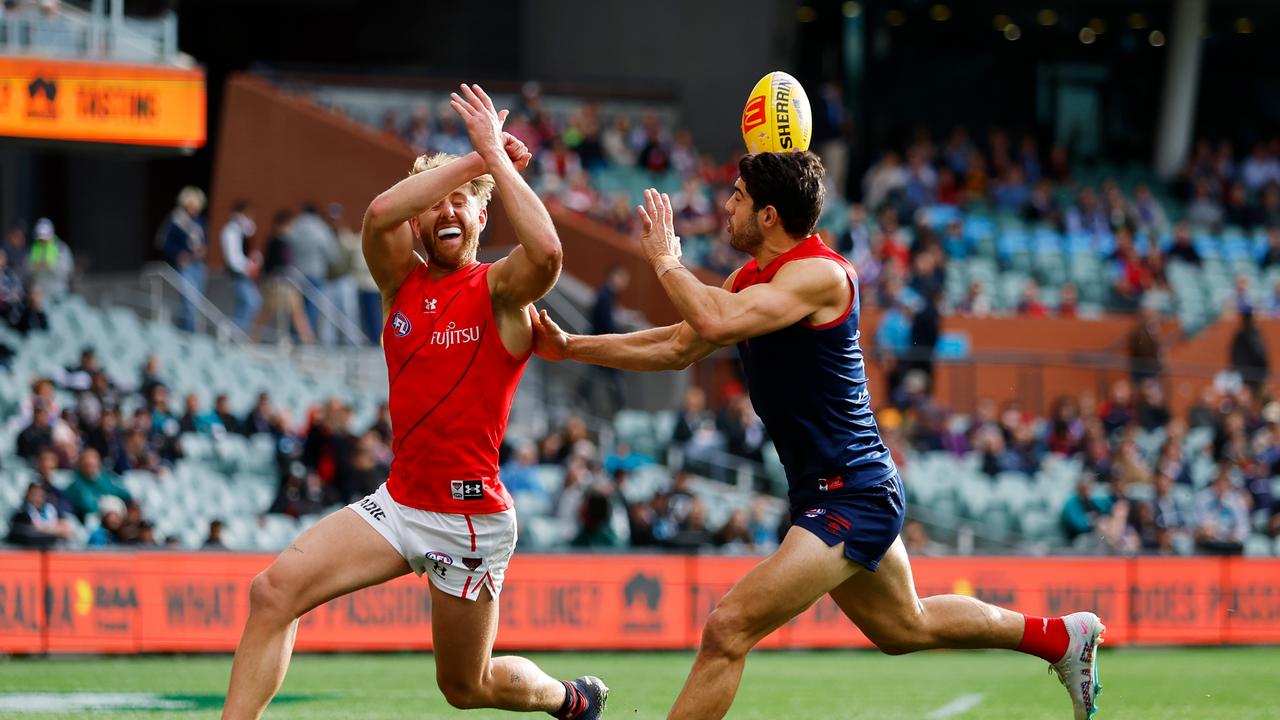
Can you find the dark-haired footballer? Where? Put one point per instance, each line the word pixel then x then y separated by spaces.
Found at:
pixel 793 313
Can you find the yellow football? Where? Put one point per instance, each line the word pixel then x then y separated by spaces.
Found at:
pixel 777 117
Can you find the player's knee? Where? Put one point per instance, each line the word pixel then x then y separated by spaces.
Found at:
pixel 463 694
pixel 268 597
pixel 726 634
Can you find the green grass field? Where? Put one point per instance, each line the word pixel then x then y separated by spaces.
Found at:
pixel 1204 684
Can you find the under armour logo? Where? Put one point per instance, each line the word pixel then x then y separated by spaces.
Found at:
pixel 429 305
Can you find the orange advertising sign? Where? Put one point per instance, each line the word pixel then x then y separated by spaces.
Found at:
pixel 102 102
pixel 197 602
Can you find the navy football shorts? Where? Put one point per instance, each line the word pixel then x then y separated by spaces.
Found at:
pixel 867 520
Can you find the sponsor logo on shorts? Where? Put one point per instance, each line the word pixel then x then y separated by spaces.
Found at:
pixel 440 563
pixel 816 512
pixel 371 507
pixel 401 325
pixel 472 563
pixel 466 489
pixel 827 484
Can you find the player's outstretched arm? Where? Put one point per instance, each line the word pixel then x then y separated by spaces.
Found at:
pixel 673 347
pixel 532 268
pixel 799 290
pixel 387 239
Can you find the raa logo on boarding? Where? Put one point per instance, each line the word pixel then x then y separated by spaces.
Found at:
pixel 42 95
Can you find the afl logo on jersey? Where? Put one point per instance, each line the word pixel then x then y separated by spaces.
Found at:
pixel 400 324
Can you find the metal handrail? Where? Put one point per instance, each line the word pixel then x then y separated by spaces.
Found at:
pixel 157 275
pixel 331 313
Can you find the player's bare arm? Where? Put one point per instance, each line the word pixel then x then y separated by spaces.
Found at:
pixel 672 347
pixel 533 266
pixel 387 239
pixel 813 289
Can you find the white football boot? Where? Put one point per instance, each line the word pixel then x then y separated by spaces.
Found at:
pixel 1078 669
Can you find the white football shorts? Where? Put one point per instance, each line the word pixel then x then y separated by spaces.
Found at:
pixel 462 553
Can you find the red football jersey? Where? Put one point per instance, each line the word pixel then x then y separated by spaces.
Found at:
pixel 451 385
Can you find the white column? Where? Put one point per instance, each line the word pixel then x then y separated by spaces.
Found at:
pixel 1181 81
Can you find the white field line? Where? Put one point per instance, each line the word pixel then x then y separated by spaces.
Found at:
pixel 964 703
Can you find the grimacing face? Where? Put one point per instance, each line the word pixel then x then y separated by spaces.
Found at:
pixel 743 222
pixel 450 230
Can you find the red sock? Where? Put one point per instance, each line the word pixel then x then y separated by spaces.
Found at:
pixel 1046 638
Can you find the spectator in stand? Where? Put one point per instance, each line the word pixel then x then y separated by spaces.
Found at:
pixel 520 473
pixel 222 410
pixel 1083 510
pixel 38 522
pixel 975 302
pixel 314 248
pixel 418 134
pixel 45 465
pixel 11 289
pixel 1204 212
pixel 744 432
pixel 301 493
pixel 1249 353
pixel 1260 168
pixel 926 329
pixel 1030 305
pixel 49 264
pixel 111 531
pixel 1146 349
pixel 735 535
pixel 1149 216
pixel 579 196
pixel 692 531
pixel 38 436
pixel 617 147
pixel 1222 516
pixel 1273 303
pixel 198 420
pixel 917 541
pixel 137 454
pixel 1269 206
pixel 884 182
pixel 694 433
pixel 1236 208
pixel 15 250
pixel 214 540
pixel 258 421
pixel 1132 276
pixel 31 316
pixel 604 322
pixel 340 287
pixel 1068 301
pixel 1172 519
pixel 1087 216
pixel 243 263
pixel 281 296
pixel 182 239
pixel 1011 194
pixel 91 484
pixel 1271 258
pixel 1183 249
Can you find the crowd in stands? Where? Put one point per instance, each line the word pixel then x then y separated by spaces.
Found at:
pixel 1134 453
pixel 117 425
pixel 278 276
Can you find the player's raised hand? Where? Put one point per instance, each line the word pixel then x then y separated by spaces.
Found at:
pixel 517 151
pixel 549 341
pixel 658 223
pixel 484 123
